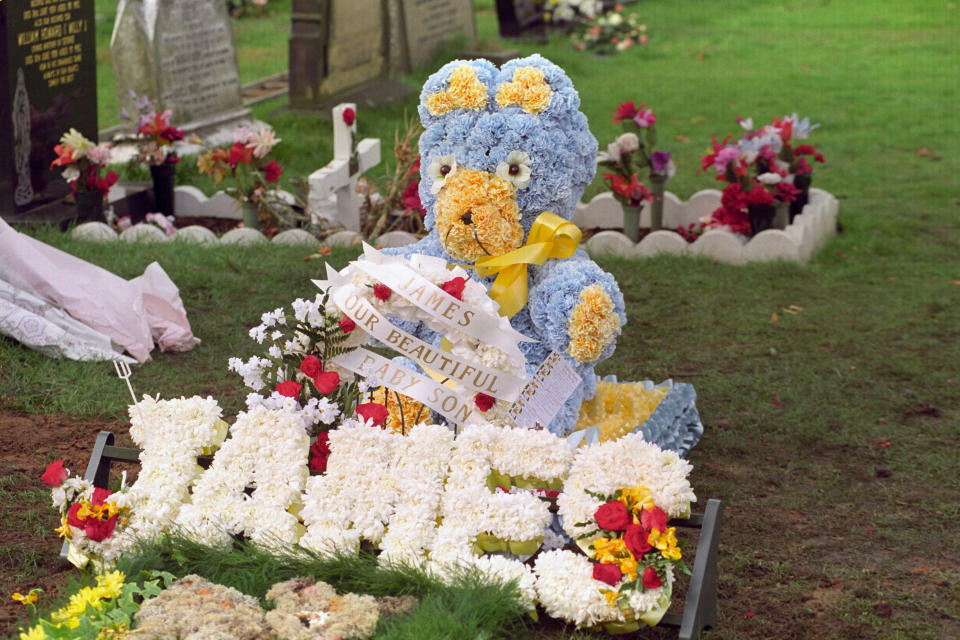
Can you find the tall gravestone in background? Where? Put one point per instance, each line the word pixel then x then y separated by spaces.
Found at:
pixel 48 84
pixel 430 23
pixel 181 54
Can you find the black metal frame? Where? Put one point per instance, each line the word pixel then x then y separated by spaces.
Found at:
pixel 700 607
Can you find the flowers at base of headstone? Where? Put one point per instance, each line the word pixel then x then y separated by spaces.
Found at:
pixel 83 161
pixel 246 165
pixel 763 167
pixel 154 134
pixel 241 8
pixel 559 11
pixel 610 32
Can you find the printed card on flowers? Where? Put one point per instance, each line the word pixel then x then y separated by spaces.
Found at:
pixel 554 381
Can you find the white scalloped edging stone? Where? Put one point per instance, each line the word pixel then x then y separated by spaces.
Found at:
pixel 344 239
pixel 809 231
pixel 195 234
pixel 94 232
pixel 243 236
pixel 143 233
pixel 396 239
pixel 295 237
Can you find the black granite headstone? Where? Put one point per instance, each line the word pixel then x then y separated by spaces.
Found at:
pixel 520 18
pixel 48 84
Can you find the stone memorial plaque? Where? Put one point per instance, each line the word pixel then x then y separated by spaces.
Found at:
pixel 181 54
pixel 48 84
pixel 430 23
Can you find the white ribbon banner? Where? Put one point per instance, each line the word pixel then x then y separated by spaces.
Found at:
pixel 445 401
pixel 488 327
pixel 493 382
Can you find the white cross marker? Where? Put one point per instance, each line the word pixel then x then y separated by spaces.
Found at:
pixel 336 179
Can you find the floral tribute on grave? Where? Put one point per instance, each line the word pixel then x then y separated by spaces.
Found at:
pixel 409 411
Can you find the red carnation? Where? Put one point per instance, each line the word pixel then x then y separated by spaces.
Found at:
pixel 609 573
pixel 55 474
pixel 613 516
pixel 654 518
pixel 326 382
pixel 272 171
pixel 455 287
pixel 100 496
pixel 759 195
pixel 636 540
pixel 311 366
pixel 625 111
pixel 319 452
pixel 347 324
pixel 651 579
pixel 239 153
pixel 382 291
pixel 373 411
pixel 72 519
pixel 349 116
pixel 289 388
pixel 97 529
pixel 483 401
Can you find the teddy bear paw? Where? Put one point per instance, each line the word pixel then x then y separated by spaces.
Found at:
pixel 593 324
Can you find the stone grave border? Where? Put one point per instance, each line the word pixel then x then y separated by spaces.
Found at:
pixel 700 605
pixel 797 243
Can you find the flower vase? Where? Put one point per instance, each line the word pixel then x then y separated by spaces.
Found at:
pixel 761 217
pixel 90 206
pixel 781 216
pixel 658 182
pixel 163 187
pixel 251 215
pixel 801 182
pixel 631 222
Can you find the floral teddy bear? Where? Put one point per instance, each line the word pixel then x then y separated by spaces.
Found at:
pixel 505 156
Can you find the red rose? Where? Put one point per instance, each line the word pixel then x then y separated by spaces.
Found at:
pixel 654 519
pixel 289 388
pixel 72 518
pixel 239 153
pixel 311 366
pixel 373 411
pixel 613 516
pixel 272 171
pixel 100 496
pixel 382 291
pixel 636 540
pixel 319 452
pixel 455 287
pixel 626 111
pixel 651 579
pixel 54 475
pixel 97 529
pixel 349 116
pixel 484 402
pixel 347 324
pixel 609 573
pixel 326 382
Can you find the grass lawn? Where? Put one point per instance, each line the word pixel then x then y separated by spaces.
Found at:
pixel 830 432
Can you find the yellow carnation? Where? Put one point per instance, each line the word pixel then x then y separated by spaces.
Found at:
pixel 439 103
pixel 592 325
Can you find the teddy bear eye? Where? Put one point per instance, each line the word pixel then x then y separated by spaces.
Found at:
pixel 516 169
pixel 444 170
pixel 441 168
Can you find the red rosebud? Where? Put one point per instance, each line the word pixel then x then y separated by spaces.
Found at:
pixel 455 287
pixel 326 382
pixel 654 518
pixel 97 529
pixel 636 540
pixel 613 516
pixel 72 518
pixel 347 324
pixel 289 388
pixel 381 291
pixel 55 474
pixel 272 171
pixel 311 366
pixel 373 411
pixel 322 445
pixel 100 496
pixel 651 579
pixel 349 116
pixel 484 402
pixel 625 111
pixel 609 573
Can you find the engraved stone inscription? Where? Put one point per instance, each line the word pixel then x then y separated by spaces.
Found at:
pixel 431 22
pixel 53 44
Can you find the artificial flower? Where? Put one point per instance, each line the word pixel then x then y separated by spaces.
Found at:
pixel 644 118
pixel 516 169
pixel 441 168
pixel 263 142
pixel 660 161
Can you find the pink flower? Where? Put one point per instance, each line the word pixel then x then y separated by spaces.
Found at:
pixel 724 157
pixel 645 119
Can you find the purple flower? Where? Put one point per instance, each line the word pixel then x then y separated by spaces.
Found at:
pixel 659 161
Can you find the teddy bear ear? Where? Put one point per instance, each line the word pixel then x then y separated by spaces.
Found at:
pixel 459 86
pixel 533 85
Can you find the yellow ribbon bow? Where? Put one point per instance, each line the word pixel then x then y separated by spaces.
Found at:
pixel 550 237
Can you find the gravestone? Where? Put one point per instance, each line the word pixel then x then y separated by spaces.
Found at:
pixel 181 54
pixel 520 18
pixel 48 84
pixel 430 23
